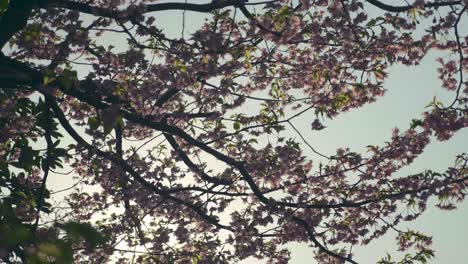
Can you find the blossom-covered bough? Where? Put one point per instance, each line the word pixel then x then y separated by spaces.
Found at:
pixel 181 147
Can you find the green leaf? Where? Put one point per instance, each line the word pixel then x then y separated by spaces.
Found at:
pixel 341 100
pixel 119 122
pixel 50 249
pixel 119 90
pixel 11 236
pixel 93 123
pixel 285 11
pixel 371 23
pixel 415 123
pixel 109 117
pixel 3 6
pixel 196 258
pixel 67 79
pixel 85 231
pixel 236 125
pixel 22 195
pixel 47 79
pixel 26 159
pixel 66 252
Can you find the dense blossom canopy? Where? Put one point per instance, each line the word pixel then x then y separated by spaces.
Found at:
pixel 176 149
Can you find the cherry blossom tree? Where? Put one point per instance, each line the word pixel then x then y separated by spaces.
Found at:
pixel 180 148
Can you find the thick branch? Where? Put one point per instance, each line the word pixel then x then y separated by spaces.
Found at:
pixel 14 19
pixel 17 74
pixel 117 14
pixel 185 158
pixel 404 8
pixel 166 96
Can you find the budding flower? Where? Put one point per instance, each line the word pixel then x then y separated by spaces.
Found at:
pixel 317 125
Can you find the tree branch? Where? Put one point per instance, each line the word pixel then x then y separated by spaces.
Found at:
pixel 130 14
pixel 314 240
pixel 397 9
pixel 14 19
pixel 192 165
pixel 15 74
pixel 46 161
pixel 166 96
